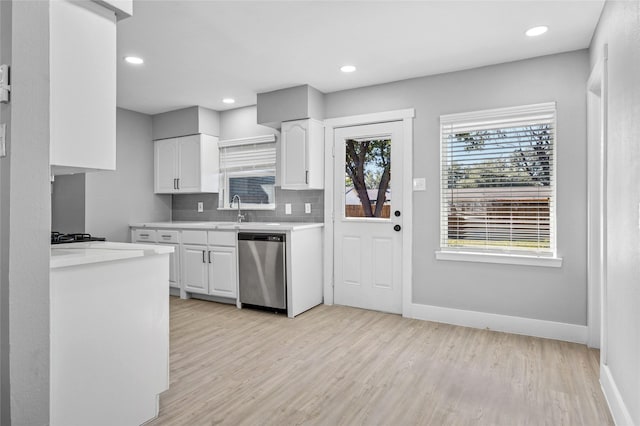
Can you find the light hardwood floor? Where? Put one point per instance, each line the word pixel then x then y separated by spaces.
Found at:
pixel 336 365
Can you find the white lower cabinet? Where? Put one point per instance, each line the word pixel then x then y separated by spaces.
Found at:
pixel 195 269
pixel 162 237
pixel 222 272
pixel 209 269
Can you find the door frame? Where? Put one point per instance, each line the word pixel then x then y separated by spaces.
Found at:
pixel 597 142
pixel 406 116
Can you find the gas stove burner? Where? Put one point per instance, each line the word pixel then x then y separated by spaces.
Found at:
pixel 58 238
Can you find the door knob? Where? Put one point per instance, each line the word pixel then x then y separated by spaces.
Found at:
pixel 397 213
pixel 397 228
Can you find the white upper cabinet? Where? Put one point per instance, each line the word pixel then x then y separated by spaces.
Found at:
pixel 83 87
pixel 302 154
pixel 188 164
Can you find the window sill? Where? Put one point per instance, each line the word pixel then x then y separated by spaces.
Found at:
pixel 250 207
pixel 507 259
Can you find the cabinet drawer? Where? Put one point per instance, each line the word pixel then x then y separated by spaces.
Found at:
pixel 144 236
pixel 194 237
pixel 167 236
pixel 222 238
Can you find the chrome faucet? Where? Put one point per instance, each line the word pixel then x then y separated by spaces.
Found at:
pixel 240 215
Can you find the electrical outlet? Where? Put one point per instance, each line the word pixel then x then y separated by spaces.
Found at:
pixel 307 208
pixel 200 206
pixel 287 208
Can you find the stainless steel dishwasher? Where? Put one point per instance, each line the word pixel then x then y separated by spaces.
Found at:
pixel 262 270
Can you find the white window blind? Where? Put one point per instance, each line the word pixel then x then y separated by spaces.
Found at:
pixel 498 180
pixel 248 169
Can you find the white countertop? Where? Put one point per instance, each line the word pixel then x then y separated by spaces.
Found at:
pixel 73 254
pixel 244 226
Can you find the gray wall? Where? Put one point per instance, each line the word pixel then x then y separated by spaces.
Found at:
pixel 619 28
pixel 115 199
pixel 241 123
pixel 67 204
pixel 25 226
pixel 186 121
pixel 5 117
pixel 553 294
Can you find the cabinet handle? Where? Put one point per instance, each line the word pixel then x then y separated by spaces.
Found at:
pixel 166 236
pixel 306 177
pixel 209 256
pixel 178 183
pixel 144 235
pixel 174 183
pixel 203 260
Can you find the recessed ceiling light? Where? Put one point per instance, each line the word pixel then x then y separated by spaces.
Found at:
pixel 229 100
pixel 347 68
pixel 134 60
pixel 536 31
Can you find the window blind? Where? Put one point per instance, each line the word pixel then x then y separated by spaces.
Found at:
pixel 498 180
pixel 247 157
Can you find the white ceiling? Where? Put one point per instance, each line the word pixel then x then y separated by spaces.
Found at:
pixel 198 52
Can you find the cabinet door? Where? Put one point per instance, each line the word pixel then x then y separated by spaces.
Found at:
pixel 165 162
pixel 222 272
pixel 189 164
pixel 174 266
pixel 194 269
pixel 295 137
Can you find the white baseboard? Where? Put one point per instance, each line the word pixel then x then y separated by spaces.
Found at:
pixel 516 325
pixel 617 407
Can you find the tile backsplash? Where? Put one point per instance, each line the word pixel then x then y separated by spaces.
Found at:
pixel 185 207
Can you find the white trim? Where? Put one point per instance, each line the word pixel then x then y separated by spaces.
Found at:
pixel 515 111
pixel 407 222
pixel 406 116
pixel 596 196
pixel 505 323
pixel 376 117
pixel 507 259
pixel 247 141
pixel 617 407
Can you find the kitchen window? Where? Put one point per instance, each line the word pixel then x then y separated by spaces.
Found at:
pixel 497 184
pixel 248 170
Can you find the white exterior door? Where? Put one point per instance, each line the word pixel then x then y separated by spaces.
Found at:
pixel 368 216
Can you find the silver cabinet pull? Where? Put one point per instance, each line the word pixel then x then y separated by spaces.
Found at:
pixel 209 256
pixel 166 236
pixel 306 177
pixel 203 255
pixel 174 183
pixel 144 235
pixel 178 183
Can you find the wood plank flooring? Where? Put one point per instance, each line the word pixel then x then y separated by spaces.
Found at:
pixel 336 365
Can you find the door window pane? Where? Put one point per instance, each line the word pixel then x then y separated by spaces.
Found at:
pixel 368 178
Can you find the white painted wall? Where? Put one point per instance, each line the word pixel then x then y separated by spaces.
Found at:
pixel 619 28
pixel 29 216
pixel 115 199
pixel 552 294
